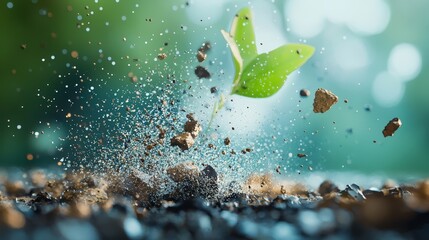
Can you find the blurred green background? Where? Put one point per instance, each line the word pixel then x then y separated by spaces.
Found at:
pixel 372 53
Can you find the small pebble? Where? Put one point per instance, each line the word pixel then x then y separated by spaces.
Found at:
pixel 202 72
pixel 304 93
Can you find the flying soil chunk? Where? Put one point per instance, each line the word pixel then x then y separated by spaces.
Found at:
pixel 323 100
pixel 391 127
pixel 183 140
pixel 202 72
pixel 192 126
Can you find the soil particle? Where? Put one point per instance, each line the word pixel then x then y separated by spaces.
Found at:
pixel 162 132
pixel 368 108
pixel 192 126
pixel 227 141
pixel 162 56
pixel 202 72
pixel 201 56
pixel 213 90
pixel 392 126
pixel 301 155
pixel 323 100
pixel 205 47
pixel 183 140
pixel 304 93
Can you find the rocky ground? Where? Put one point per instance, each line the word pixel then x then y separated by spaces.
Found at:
pixel 83 206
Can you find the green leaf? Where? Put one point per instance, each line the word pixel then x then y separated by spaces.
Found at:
pixel 266 74
pixel 244 36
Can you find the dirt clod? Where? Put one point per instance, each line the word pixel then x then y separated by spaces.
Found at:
pixel 392 126
pixel 323 100
pixel 202 72
pixel 183 140
pixel 192 126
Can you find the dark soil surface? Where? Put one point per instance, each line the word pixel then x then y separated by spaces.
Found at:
pixel 87 207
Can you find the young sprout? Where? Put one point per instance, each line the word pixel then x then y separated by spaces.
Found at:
pixel 259 75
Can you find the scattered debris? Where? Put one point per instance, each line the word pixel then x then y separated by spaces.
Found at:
pixel 213 90
pixel 261 184
pixel 392 126
pixel 162 132
pixel 208 182
pixel 304 93
pixel 162 56
pixel 301 155
pixel 227 141
pixel 323 100
pixel 278 170
pixel 202 72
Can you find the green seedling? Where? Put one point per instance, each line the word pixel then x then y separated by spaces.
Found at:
pixel 259 75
